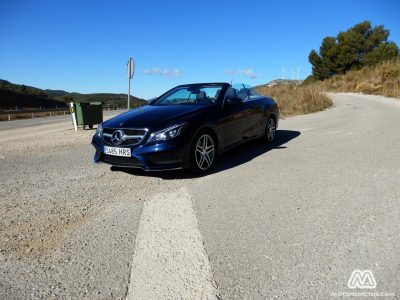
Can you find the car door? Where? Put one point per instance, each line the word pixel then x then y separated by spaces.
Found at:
pixel 256 107
pixel 234 124
pixel 254 111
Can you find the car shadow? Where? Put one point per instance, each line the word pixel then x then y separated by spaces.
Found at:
pixel 230 159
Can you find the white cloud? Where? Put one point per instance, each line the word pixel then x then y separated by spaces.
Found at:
pixel 163 72
pixel 246 72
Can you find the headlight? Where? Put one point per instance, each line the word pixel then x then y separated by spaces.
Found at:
pixel 99 130
pixel 167 133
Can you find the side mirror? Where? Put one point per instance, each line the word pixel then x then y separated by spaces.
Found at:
pixel 233 100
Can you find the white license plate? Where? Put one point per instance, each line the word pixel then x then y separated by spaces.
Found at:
pixel 117 151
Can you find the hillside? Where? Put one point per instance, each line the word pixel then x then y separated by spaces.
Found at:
pixel 55 93
pixel 22 96
pixel 294 99
pixel 381 79
pixel 115 100
pixel 282 82
pixel 22 89
pixel 10 100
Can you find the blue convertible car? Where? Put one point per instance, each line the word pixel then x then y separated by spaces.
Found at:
pixel 187 127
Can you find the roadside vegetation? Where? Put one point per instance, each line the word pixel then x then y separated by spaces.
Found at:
pixel 360 59
pixel 381 79
pixel 358 47
pixel 296 100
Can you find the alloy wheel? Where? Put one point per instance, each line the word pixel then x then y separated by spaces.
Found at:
pixel 204 152
pixel 270 129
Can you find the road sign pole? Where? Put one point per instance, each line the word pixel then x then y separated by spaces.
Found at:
pixel 129 92
pixel 131 71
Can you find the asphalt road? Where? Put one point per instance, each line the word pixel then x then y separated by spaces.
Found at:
pixel 291 220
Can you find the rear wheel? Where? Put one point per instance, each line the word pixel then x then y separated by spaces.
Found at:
pixel 270 130
pixel 203 153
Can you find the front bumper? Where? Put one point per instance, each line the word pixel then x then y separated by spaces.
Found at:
pixel 169 155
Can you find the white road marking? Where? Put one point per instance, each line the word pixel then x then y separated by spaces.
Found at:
pixel 170 261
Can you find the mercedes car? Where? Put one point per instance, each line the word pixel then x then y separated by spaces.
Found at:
pixel 189 126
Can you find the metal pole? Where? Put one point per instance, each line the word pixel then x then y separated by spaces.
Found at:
pixel 129 91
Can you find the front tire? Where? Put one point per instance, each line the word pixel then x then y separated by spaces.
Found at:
pixel 202 153
pixel 270 130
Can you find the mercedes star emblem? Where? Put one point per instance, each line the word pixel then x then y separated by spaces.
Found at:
pixel 117 137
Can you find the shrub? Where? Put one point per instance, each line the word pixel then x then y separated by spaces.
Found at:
pixel 294 100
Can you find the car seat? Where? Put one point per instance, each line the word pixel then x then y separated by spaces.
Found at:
pixel 201 97
pixel 242 94
pixel 231 93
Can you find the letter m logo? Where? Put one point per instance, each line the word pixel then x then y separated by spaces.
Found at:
pixel 361 280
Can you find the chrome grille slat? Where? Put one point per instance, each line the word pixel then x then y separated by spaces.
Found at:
pixel 131 137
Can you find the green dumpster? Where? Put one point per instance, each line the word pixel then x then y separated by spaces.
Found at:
pixel 88 114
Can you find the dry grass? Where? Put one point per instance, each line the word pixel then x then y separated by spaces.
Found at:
pixel 382 79
pixel 296 100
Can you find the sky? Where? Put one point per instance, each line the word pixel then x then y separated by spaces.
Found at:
pixel 83 46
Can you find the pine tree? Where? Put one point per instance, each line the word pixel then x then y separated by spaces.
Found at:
pixel 355 48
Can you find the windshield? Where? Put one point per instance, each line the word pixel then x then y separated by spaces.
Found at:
pixel 195 94
pixel 251 91
pixel 243 91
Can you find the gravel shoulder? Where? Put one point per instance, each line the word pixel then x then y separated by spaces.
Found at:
pixel 68 227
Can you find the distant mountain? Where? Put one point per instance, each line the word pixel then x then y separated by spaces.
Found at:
pixel 115 100
pixel 22 96
pixel 282 82
pixel 55 93
pixel 21 88
pixel 10 100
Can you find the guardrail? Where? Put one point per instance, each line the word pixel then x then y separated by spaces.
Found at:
pixel 31 114
pixel 9 115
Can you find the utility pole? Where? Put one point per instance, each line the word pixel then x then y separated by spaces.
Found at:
pixel 283 72
pixel 131 71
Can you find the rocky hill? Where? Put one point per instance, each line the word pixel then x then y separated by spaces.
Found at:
pixel 282 82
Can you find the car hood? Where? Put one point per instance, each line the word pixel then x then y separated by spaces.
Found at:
pixel 152 116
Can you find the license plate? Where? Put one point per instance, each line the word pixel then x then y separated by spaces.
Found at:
pixel 117 151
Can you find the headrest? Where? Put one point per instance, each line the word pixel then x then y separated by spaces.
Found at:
pixel 201 96
pixel 230 93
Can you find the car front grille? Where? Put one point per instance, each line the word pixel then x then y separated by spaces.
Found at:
pixel 129 136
